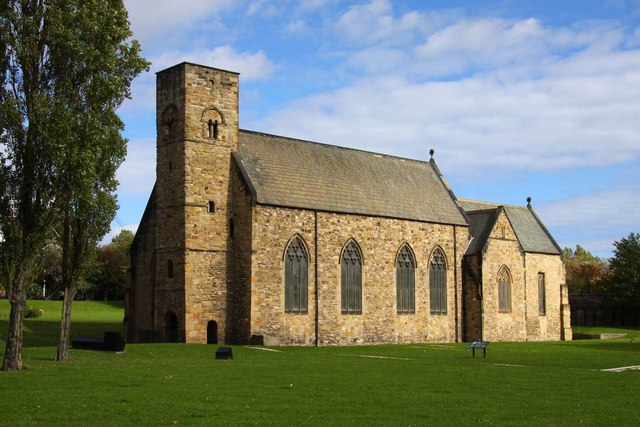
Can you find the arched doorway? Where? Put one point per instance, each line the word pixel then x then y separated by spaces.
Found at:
pixel 170 327
pixel 212 332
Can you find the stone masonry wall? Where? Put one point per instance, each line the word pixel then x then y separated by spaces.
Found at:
pixel 211 97
pixel 240 291
pixel 547 326
pixel 472 315
pixel 139 296
pixel 380 239
pixel 170 158
pixel 503 249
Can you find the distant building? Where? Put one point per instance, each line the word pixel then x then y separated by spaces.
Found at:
pixel 249 237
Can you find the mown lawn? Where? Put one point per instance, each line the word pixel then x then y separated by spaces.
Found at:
pixel 560 383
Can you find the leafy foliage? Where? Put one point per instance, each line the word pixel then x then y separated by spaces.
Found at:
pixel 33 312
pixel 109 272
pixel 65 67
pixel 623 280
pixel 584 271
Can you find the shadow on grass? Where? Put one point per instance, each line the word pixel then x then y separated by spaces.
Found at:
pixel 620 344
pixel 41 333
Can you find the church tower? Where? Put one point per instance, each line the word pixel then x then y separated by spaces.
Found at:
pixel 197 132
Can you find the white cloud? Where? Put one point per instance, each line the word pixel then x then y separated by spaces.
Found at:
pixel 137 173
pixel 251 66
pixel 593 221
pixel 545 99
pixel 262 8
pixel 154 23
pixel 374 22
pixel 478 123
pixel 602 210
pixel 296 27
pixel 310 5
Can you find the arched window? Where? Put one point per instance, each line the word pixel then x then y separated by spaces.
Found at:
pixel 438 283
pixel 351 279
pixel 405 281
pixel 295 277
pixel 504 290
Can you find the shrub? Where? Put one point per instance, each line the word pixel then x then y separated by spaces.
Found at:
pixel 33 312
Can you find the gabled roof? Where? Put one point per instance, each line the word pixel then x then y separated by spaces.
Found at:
pixel 300 174
pixel 480 225
pixel 530 231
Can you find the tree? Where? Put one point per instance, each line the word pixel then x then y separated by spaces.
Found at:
pixel 584 271
pixel 65 67
pixel 623 280
pixel 113 261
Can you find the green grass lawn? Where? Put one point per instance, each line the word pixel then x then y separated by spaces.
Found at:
pixel 557 383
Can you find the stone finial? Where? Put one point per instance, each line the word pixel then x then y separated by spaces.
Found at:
pixel 431 153
pixel 528 202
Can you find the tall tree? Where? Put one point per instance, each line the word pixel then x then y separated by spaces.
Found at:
pixel 623 280
pixel 65 65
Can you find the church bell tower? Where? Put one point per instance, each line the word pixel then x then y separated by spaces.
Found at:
pixel 197 132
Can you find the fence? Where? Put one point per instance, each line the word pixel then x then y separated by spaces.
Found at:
pixel 601 310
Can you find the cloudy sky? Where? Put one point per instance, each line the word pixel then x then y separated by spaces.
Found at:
pixel 518 98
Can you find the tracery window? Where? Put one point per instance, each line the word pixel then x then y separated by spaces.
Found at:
pixel 504 290
pixel 351 279
pixel 438 283
pixel 405 281
pixel 542 297
pixel 295 277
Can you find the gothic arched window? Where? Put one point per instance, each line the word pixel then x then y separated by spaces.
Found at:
pixel 351 279
pixel 405 281
pixel 438 283
pixel 295 277
pixel 504 290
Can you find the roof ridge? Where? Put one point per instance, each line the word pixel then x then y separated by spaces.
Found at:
pixel 306 141
pixel 496 204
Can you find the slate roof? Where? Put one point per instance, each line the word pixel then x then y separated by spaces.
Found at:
pixel 300 174
pixel 531 232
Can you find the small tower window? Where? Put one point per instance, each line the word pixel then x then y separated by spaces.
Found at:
pixel 211 208
pixel 169 269
pixel 170 165
pixel 213 129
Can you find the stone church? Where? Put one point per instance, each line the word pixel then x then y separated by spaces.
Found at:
pixel 256 238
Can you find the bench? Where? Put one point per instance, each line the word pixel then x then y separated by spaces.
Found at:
pixel 111 341
pixel 479 344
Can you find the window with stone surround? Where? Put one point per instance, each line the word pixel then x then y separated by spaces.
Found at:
pixel 351 279
pixel 438 283
pixel 405 281
pixel 295 277
pixel 169 122
pixel 542 297
pixel 504 290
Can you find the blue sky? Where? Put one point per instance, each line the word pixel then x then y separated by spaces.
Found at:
pixel 518 98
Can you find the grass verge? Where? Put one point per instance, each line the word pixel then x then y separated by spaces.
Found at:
pixel 557 383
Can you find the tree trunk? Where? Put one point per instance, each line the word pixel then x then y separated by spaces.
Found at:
pixel 13 350
pixel 65 324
